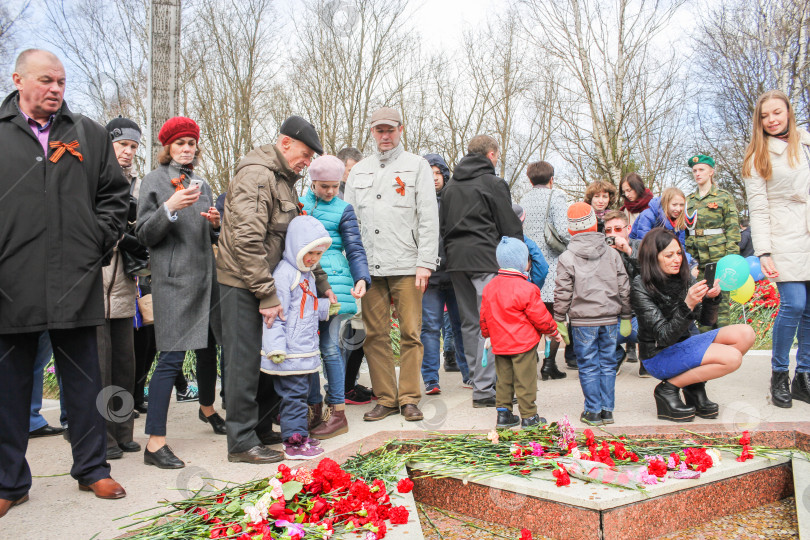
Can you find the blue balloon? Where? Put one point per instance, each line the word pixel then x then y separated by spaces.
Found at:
pixel 732 272
pixel 755 267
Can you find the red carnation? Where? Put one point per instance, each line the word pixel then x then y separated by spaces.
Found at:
pixel 405 485
pixel 745 439
pixel 399 515
pixel 525 534
pixel 657 467
pixel 562 476
pixel 589 441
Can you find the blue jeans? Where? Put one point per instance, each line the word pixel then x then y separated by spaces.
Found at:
pixel 433 302
pixel 334 362
pixel 44 353
pixel 595 347
pixel 794 315
pixel 621 340
pixel 447 333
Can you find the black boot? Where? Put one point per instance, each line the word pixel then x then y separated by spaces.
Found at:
pixel 550 371
pixel 450 363
pixel 801 387
pixel 669 404
pixel 570 357
pixel 780 389
pixel 506 419
pixel 695 396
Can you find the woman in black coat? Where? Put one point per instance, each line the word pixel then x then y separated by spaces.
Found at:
pixel 667 302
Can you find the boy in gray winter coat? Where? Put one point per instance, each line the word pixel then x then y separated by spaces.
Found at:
pixel 290 348
pixel 592 289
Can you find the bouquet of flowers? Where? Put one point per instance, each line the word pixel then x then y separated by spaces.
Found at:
pixel 298 504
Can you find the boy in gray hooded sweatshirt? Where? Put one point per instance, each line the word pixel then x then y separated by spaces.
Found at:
pixel 593 290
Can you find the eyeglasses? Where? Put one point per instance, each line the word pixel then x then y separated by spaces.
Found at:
pixel 615 229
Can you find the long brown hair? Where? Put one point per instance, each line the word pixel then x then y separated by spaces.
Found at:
pixel 757 155
pixel 653 278
pixel 666 198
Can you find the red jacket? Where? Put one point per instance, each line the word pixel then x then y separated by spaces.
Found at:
pixel 513 315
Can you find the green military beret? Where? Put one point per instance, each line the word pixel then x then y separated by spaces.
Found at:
pixel 700 158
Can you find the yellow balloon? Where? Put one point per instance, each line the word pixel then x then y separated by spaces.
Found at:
pixel 744 293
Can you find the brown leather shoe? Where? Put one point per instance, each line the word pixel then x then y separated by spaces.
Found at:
pixel 334 423
pixel 411 413
pixel 5 504
pixel 379 412
pixel 257 455
pixel 314 416
pixel 106 488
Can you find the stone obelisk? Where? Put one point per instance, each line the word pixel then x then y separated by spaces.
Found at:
pixel 164 70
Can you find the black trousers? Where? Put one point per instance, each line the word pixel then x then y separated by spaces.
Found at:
pixel 76 356
pixel 251 397
pixel 116 354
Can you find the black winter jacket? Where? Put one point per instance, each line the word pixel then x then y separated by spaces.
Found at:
pixel 476 212
pixel 58 222
pixel 665 319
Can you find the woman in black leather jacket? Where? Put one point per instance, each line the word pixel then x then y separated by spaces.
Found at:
pixel 667 302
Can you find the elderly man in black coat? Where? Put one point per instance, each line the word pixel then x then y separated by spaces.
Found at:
pixel 64 204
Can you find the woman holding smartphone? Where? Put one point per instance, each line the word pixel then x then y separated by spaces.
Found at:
pixel 667 302
pixel 178 223
pixel 776 169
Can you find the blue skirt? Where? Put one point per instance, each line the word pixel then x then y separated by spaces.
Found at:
pixel 681 357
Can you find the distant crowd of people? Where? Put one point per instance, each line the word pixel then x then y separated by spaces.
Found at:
pixel 106 271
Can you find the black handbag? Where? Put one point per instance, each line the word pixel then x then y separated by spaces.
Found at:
pixel 134 255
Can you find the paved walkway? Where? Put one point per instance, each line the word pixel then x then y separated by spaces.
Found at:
pixel 58 510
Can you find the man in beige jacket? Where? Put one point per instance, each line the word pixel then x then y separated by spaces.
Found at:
pixel 260 204
pixel 394 198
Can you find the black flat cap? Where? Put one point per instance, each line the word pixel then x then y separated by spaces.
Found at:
pixel 301 130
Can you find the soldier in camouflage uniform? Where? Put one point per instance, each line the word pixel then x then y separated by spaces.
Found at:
pixel 715 231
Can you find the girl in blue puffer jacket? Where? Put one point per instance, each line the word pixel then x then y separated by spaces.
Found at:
pixel 667 211
pixel 348 276
pixel 290 347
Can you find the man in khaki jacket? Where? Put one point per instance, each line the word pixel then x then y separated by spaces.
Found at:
pixel 394 198
pixel 260 204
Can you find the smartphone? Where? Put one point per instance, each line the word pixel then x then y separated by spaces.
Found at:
pixel 708 274
pixel 195 184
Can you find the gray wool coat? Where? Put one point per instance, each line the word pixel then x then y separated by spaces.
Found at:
pixel 185 294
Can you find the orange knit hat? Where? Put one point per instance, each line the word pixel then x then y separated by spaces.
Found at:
pixel 581 218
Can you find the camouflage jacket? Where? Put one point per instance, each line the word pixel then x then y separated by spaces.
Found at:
pixel 715 212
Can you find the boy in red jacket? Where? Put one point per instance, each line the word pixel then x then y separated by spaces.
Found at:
pixel 513 318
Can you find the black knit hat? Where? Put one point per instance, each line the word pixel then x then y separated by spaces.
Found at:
pixel 124 129
pixel 301 130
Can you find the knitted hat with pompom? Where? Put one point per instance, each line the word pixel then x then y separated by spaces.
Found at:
pixel 581 218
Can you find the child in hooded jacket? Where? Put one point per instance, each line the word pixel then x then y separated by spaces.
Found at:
pixel 290 347
pixel 513 319
pixel 593 290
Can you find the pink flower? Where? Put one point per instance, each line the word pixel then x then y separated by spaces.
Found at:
pixel 649 479
pixel 537 449
pixel 493 436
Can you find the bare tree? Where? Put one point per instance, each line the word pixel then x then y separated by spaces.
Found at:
pixel 616 86
pixel 231 93
pixel 10 19
pixel 106 44
pixel 352 51
pixel 744 51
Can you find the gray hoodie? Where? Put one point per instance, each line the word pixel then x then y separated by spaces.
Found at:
pixel 592 287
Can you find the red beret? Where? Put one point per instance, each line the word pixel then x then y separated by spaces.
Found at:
pixel 177 127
